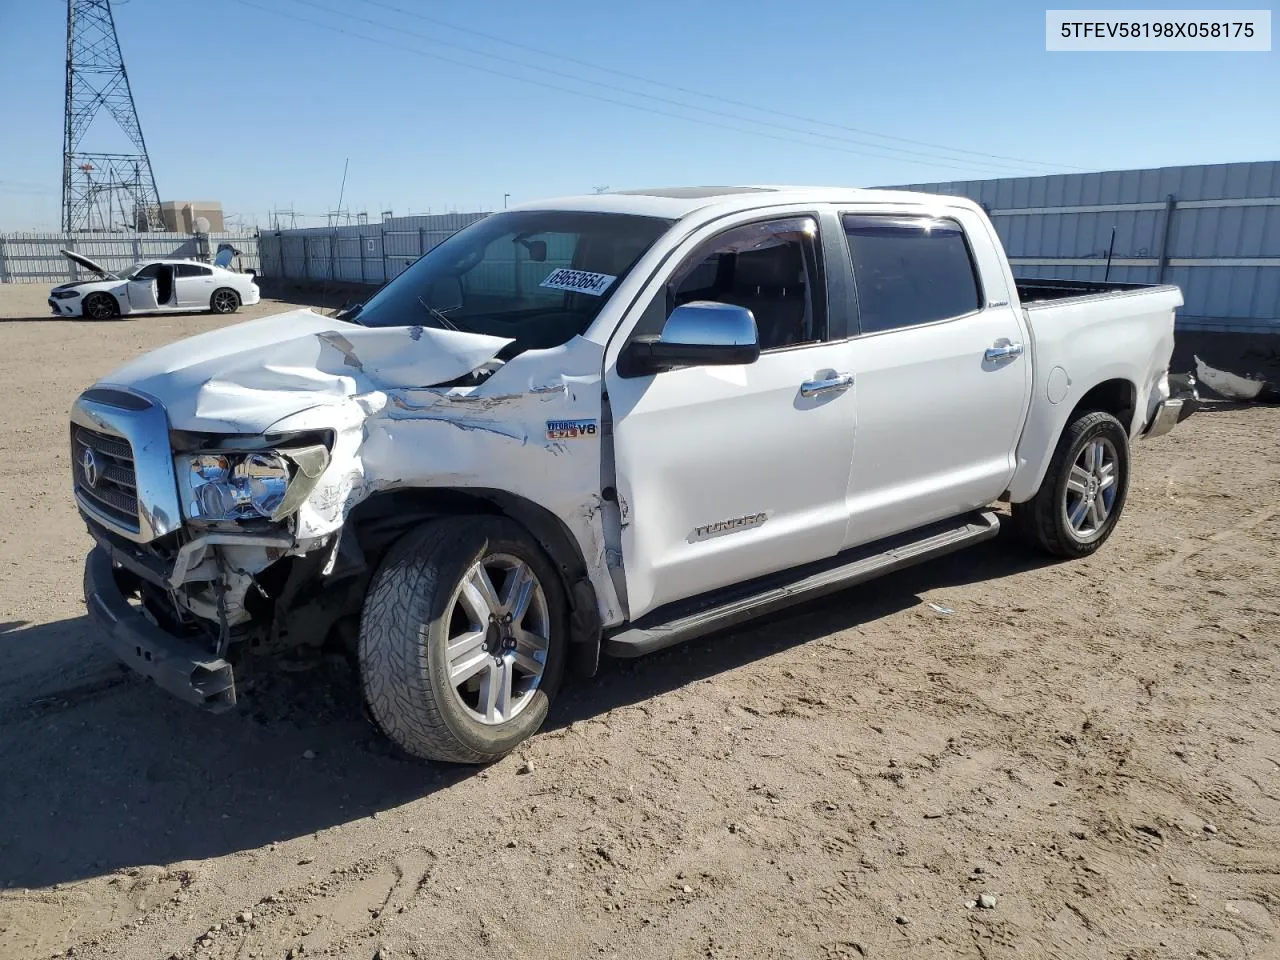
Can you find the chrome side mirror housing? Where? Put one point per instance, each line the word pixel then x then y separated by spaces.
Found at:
pixel 697 334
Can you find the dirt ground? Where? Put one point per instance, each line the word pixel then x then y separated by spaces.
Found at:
pixel 1095 745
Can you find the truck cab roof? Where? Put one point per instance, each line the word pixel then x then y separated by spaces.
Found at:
pixel 678 202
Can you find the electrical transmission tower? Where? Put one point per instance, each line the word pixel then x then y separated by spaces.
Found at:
pixel 102 189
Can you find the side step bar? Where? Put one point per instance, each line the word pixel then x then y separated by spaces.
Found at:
pixel 701 616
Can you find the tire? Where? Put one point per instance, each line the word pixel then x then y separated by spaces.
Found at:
pixel 418 601
pixel 224 300
pixel 1059 518
pixel 100 306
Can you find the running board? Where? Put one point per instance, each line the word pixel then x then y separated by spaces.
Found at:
pixel 726 608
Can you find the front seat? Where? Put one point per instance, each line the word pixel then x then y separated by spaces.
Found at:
pixel 770 283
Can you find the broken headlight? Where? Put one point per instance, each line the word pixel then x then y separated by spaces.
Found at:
pixel 263 485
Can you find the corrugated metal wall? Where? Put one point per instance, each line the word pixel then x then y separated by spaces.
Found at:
pixel 358 253
pixel 1213 230
pixel 35 257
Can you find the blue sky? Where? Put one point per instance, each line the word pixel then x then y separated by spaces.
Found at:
pixel 257 108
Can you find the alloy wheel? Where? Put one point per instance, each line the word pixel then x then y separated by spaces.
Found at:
pixel 499 629
pixel 1090 493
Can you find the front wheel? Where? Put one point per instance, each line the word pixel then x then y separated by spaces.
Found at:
pixel 462 639
pixel 1083 492
pixel 100 306
pixel 224 300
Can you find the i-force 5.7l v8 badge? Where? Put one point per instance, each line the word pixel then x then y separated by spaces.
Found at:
pixel 570 429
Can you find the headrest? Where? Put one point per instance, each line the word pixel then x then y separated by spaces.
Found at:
pixel 774 267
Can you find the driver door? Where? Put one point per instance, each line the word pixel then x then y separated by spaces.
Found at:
pixel 725 473
pixel 142 288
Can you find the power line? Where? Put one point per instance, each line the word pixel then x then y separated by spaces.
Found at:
pixel 708 96
pixel 591 96
pixel 895 151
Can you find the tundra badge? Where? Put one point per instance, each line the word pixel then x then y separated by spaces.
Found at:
pixel 721 527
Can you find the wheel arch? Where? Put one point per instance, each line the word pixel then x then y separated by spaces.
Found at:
pixel 384 517
pixel 1116 395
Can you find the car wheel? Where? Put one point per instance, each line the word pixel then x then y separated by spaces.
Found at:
pixel 1084 489
pixel 100 306
pixel 462 639
pixel 224 300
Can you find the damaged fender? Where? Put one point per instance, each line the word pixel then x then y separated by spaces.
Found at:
pixel 532 428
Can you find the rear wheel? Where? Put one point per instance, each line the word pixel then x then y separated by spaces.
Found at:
pixel 224 300
pixel 1083 492
pixel 462 639
pixel 101 306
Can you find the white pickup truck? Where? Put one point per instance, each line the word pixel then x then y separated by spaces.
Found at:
pixel 604 423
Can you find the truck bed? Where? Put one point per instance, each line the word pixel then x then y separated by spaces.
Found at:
pixel 1085 333
pixel 1036 290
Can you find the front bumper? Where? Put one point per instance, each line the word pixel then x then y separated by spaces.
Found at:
pixel 175 664
pixel 1183 401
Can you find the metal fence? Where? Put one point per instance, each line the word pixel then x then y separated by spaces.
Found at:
pixel 1213 230
pixel 37 257
pixel 357 253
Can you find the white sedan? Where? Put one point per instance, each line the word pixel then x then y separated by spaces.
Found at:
pixel 153 286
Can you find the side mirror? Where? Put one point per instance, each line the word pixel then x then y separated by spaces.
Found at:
pixel 697 334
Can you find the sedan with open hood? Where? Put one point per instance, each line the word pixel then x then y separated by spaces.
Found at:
pixel 152 286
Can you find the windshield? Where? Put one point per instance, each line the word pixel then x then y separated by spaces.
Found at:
pixel 538 277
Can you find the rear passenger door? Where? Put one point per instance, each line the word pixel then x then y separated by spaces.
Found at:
pixel 938 412
pixel 193 285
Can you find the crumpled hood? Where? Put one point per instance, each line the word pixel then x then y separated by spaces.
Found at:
pixel 246 377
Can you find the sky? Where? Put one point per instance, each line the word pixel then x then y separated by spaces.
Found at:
pixel 258 104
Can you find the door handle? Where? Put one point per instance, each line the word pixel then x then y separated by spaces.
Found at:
pixel 1003 349
pixel 816 388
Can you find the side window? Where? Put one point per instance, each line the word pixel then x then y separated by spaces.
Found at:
pixel 192 270
pixel 910 270
pixel 149 272
pixel 770 268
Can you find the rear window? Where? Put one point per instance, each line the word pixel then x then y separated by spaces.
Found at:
pixel 910 270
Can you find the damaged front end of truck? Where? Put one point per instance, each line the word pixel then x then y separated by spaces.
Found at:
pixel 242 486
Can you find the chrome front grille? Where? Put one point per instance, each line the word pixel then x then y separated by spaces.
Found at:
pixel 124 436
pixel 103 472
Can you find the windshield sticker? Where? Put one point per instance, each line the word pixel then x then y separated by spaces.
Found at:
pixel 578 281
pixel 570 429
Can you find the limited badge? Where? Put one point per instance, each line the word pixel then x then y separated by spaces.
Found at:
pixel 570 429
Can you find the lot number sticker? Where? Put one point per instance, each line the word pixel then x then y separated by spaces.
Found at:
pixel 578 281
